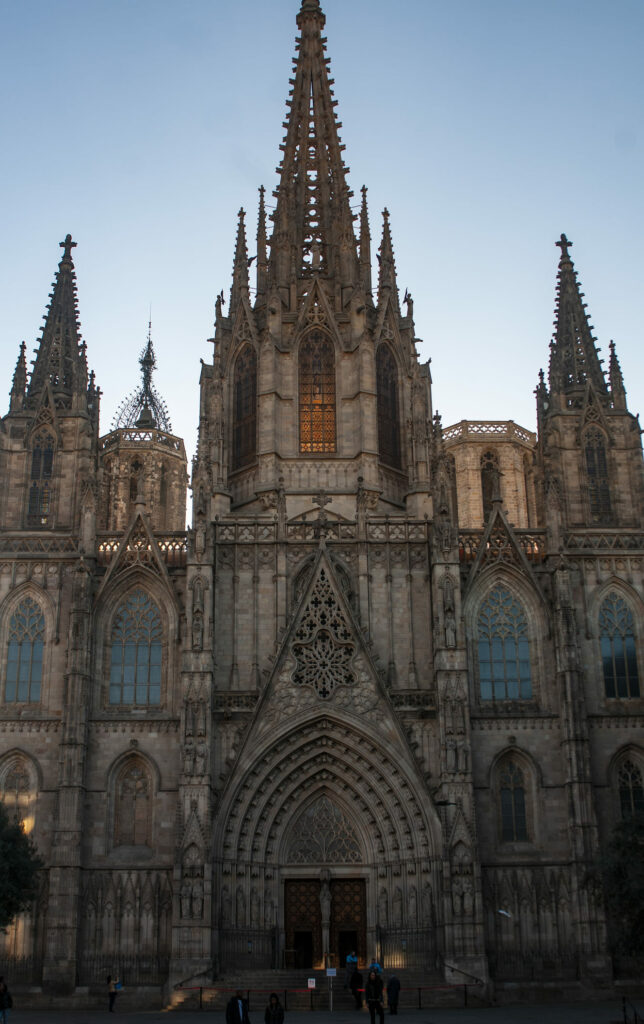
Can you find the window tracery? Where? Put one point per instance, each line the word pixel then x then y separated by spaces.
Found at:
pixel 40 477
pixel 512 803
pixel 323 835
pixel 136 652
pixel 597 476
pixel 323 649
pixel 16 788
pixel 503 648
pixel 25 653
pixel 388 414
pixel 245 408
pixel 631 790
pixel 132 818
pixel 618 649
pixel 317 394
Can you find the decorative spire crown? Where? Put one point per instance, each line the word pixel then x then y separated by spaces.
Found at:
pixel 144 408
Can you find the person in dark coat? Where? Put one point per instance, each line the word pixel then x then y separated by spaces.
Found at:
pixel 237 1009
pixel 6 1002
pixel 373 995
pixel 356 988
pixel 274 1012
pixel 393 992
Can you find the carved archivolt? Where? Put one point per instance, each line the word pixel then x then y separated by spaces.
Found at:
pixel 324 835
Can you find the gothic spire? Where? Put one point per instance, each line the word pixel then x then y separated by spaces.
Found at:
pixel 261 244
pixel 365 243
pixel 240 266
pixel 574 358
pixel 19 383
pixel 60 358
pixel 313 218
pixel 144 408
pixel 387 271
pixel 617 389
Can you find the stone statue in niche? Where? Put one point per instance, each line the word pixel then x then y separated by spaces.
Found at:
pixel 397 908
pixel 197 631
pixel 197 595
pixel 413 907
pixel 197 901
pixel 254 909
pixel 450 630
pixel 383 908
pixel 189 758
pixel 226 906
pixel 186 893
pixel 241 907
pixel 201 759
pixel 450 755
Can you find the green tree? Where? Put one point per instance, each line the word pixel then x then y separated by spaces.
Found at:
pixel 622 873
pixel 19 867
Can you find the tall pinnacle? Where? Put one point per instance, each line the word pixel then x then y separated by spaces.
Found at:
pixel 19 383
pixel 60 358
pixel 240 266
pixel 387 272
pixel 261 244
pixel 574 359
pixel 312 219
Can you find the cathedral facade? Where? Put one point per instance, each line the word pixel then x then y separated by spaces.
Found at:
pixel 382 694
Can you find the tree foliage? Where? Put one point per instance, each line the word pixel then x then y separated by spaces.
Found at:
pixel 19 867
pixel 622 871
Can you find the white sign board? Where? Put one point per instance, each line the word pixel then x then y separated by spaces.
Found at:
pixel 331 972
pixel 311 982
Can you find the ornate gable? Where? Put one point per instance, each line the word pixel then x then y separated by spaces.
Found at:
pixel 499 546
pixel 137 550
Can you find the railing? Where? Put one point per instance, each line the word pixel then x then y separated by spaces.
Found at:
pixel 172 548
pixel 134 435
pixel 506 430
pixel 131 970
pixel 532 543
pixel 21 970
pixel 416 997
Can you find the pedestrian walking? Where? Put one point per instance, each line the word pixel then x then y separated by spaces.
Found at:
pixel 237 1009
pixel 274 1012
pixel 356 988
pixel 393 993
pixel 373 995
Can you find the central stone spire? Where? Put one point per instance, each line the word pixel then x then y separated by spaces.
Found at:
pixel 313 224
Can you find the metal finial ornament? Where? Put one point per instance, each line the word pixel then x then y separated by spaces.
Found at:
pixel 144 408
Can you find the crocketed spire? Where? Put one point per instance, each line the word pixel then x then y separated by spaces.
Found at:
pixel 313 223
pixel 387 272
pixel 60 357
pixel 239 287
pixel 144 408
pixel 19 383
pixel 574 358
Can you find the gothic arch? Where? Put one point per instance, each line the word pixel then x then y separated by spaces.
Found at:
pixel 616 603
pixel 243 407
pixel 20 784
pixel 133 778
pixel 42 445
pixel 323 831
pixel 317 394
pixel 531 780
pixel 388 406
pixel 626 780
pixel 34 596
pixel 335 757
pixel 111 600
pixel 537 624
pixel 596 473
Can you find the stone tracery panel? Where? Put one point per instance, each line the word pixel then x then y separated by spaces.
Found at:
pixel 323 647
pixel 324 835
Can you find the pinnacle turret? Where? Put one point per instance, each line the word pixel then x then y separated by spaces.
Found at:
pixel 262 265
pixel 574 358
pixel 313 223
pixel 19 383
pixel 60 357
pixel 387 272
pixel 144 408
pixel 365 243
pixel 240 286
pixel 617 389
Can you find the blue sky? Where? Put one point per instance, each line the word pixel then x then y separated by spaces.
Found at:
pixel 487 127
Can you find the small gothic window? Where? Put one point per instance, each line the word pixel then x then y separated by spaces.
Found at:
pixel 597 476
pixel 132 806
pixel 490 481
pixel 503 648
pixel 24 653
pixel 617 640
pixel 245 408
pixel 317 394
pixel 388 420
pixel 512 803
pixel 42 471
pixel 16 789
pixel 631 791
pixel 135 475
pixel 135 668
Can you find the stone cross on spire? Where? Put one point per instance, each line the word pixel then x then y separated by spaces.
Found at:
pixel 563 244
pixel 68 245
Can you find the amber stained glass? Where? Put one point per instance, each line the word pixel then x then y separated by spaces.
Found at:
pixel 317 394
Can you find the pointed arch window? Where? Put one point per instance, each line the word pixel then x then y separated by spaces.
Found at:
pixel 597 476
pixel 317 394
pixel 503 648
pixel 512 802
pixel 40 479
pixel 132 818
pixel 618 648
pixel 136 652
pixel 25 653
pixel 245 408
pixel 631 790
pixel 490 481
pixel 388 415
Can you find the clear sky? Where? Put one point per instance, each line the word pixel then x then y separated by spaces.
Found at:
pixel 487 127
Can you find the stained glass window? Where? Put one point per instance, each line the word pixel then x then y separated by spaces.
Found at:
pixel 503 648
pixel 42 469
pixel 317 394
pixel 132 810
pixel 597 476
pixel 388 419
pixel 631 791
pixel 135 669
pixel 24 654
pixel 617 640
pixel 512 803
pixel 245 408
